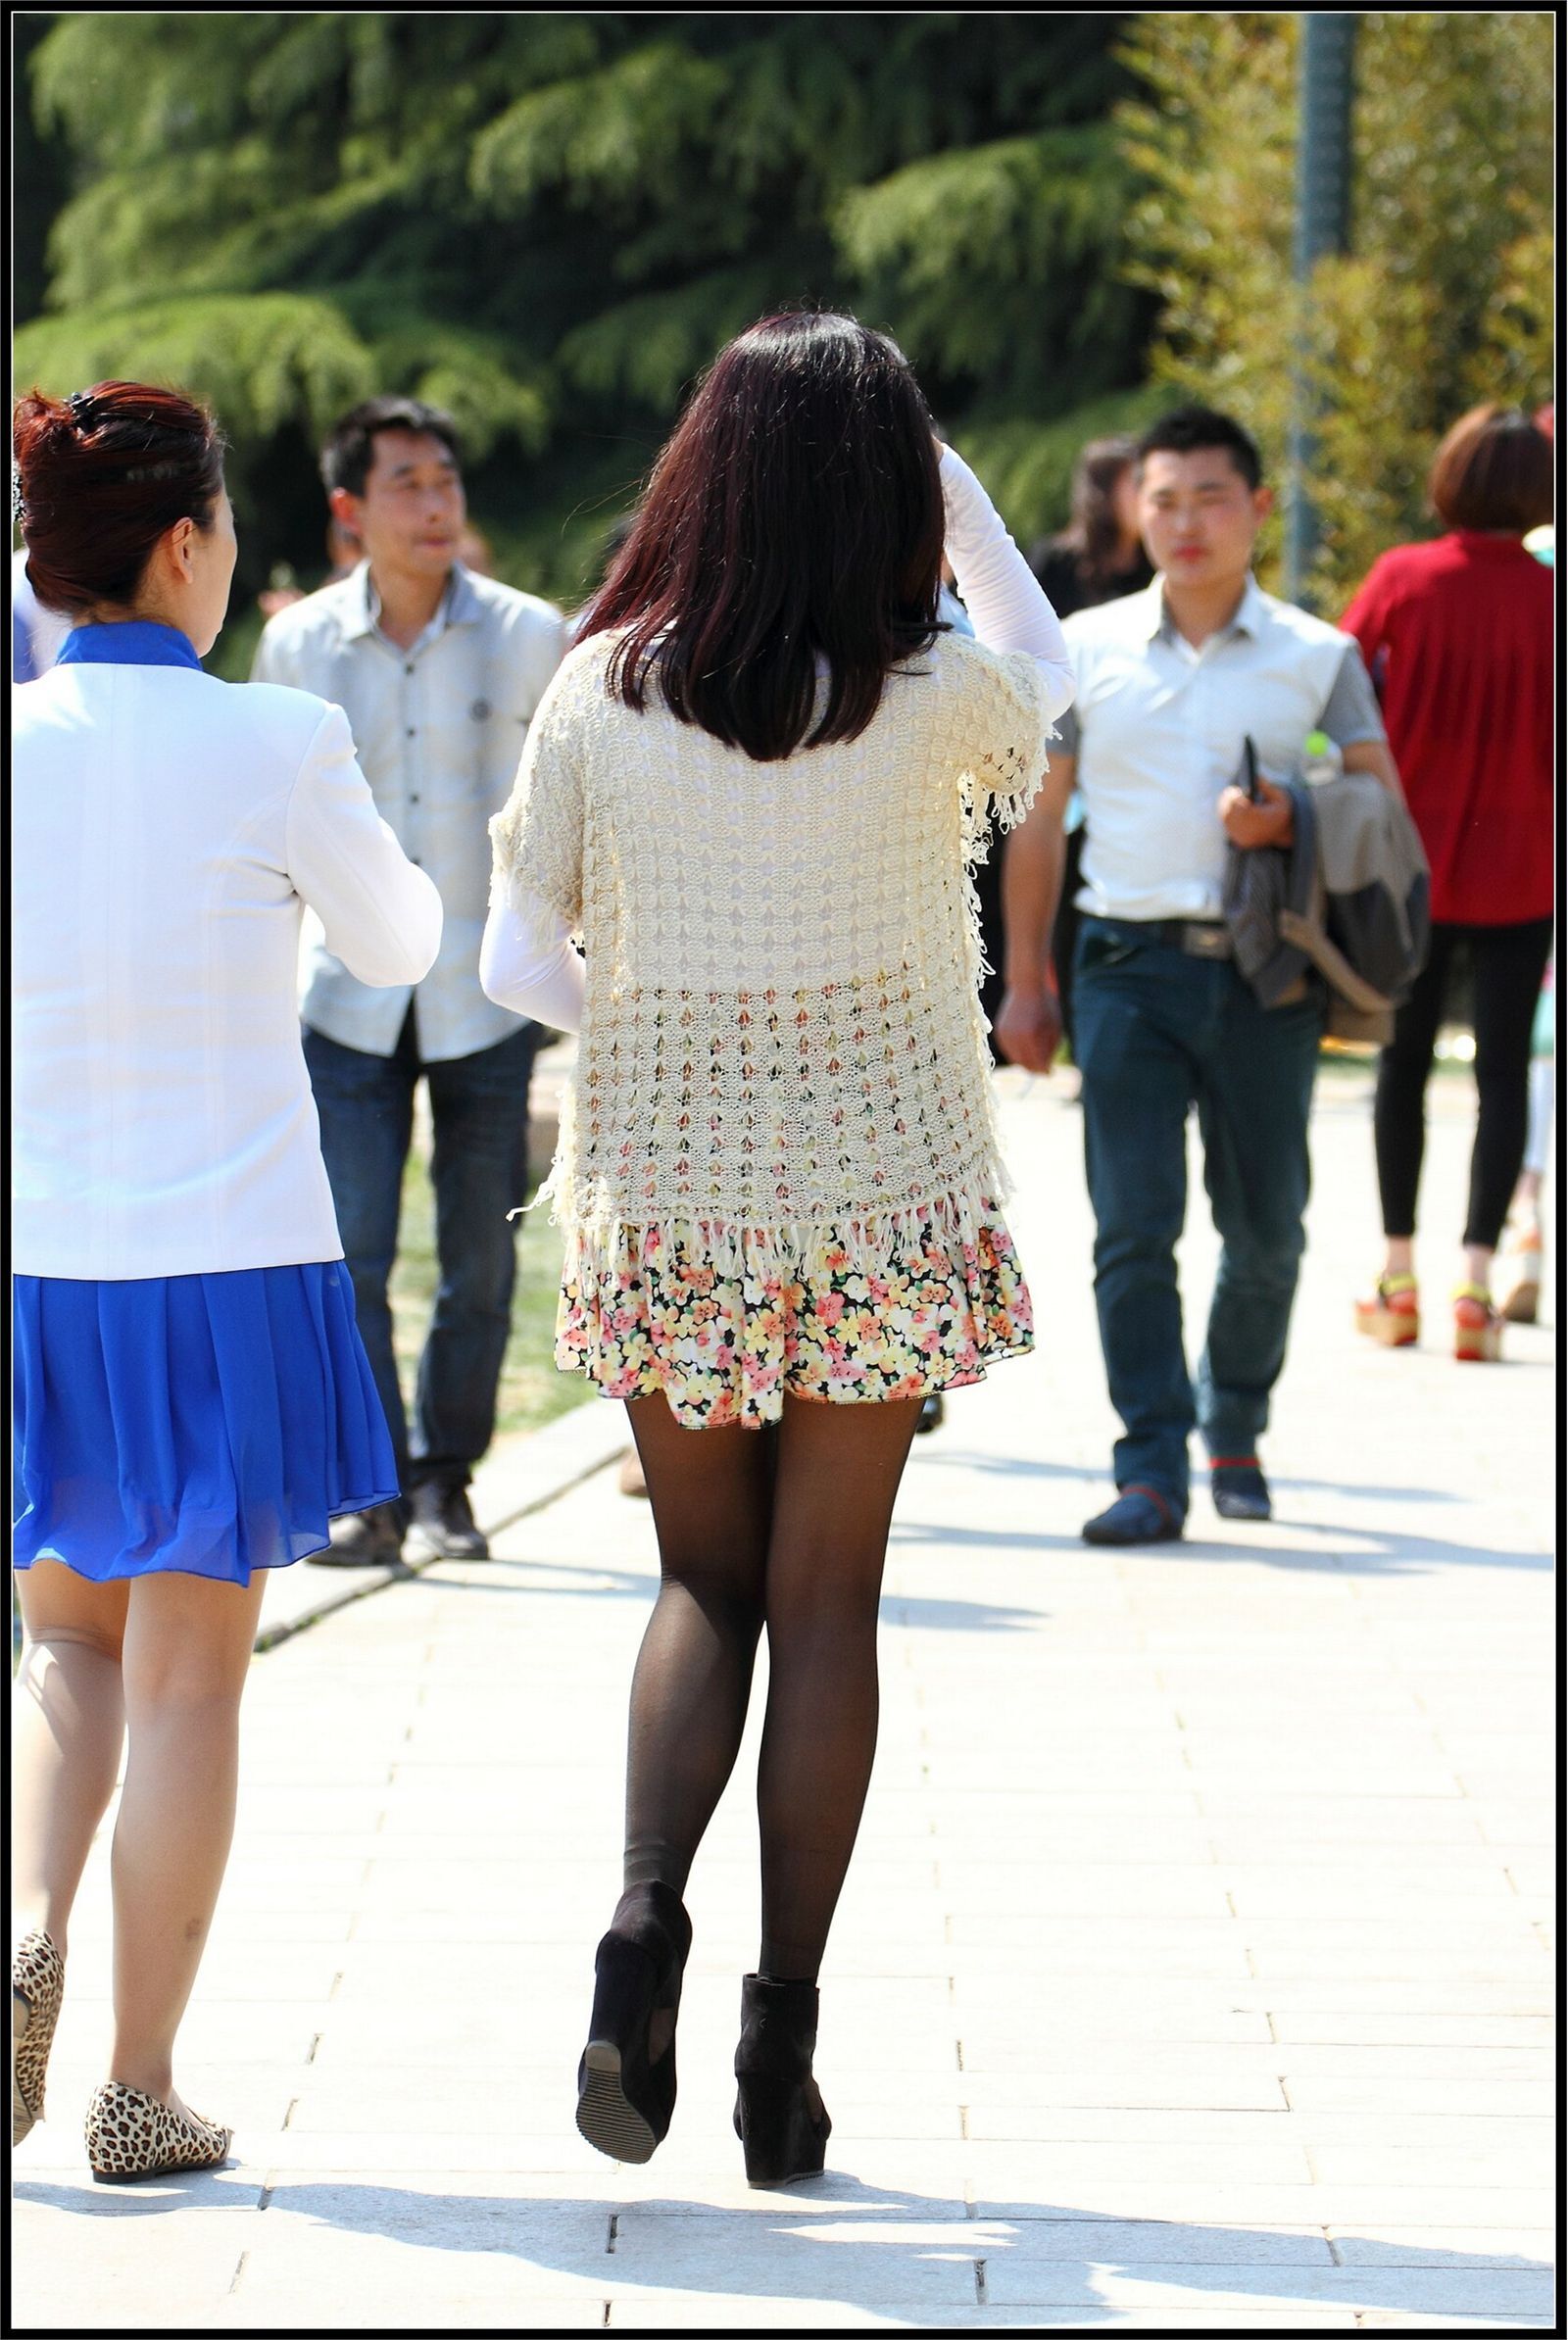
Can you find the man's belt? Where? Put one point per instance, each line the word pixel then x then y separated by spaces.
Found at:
pixel 1200 938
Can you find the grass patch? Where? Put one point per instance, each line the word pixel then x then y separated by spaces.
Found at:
pixel 532 1391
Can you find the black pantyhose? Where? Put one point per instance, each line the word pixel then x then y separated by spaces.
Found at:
pixel 785 1529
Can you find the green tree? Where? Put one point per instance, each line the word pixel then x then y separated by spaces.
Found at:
pixel 1446 296
pixel 550 222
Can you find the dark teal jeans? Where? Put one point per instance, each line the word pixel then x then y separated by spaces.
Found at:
pixel 1157 1032
pixel 479 1169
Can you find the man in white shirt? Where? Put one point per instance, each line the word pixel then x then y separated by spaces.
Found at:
pixel 1172 682
pixel 439 672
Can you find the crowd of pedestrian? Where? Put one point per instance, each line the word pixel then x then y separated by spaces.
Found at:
pixel 825 799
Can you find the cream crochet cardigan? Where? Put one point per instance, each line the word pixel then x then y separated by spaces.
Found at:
pixel 782 1050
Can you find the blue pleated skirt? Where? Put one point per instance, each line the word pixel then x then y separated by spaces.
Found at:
pixel 208 1423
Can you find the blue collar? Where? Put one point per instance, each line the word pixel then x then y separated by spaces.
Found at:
pixel 135 642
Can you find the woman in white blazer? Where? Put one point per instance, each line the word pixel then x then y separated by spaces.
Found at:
pixel 192 1402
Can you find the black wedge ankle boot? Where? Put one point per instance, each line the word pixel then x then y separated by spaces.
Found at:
pixel 626 2078
pixel 779 2115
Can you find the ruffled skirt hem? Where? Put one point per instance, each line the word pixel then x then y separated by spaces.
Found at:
pixel 661 1317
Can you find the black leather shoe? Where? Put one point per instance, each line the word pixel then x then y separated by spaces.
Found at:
pixel 626 2077
pixel 780 2118
pixel 931 1412
pixel 443 1523
pixel 1137 1516
pixel 370 1538
pixel 1239 1490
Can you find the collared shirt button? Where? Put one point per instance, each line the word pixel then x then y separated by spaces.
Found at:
pixel 410 733
pixel 408 669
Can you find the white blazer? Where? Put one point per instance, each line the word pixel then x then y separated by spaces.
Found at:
pixel 168 831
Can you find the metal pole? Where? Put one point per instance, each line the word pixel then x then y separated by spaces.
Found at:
pixel 1322 225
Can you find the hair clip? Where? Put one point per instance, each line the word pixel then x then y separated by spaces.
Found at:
pixel 79 402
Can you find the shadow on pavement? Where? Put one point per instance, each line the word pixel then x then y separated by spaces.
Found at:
pixel 1394 1554
pixel 813 2244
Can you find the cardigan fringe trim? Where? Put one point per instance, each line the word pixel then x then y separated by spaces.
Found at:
pixel 868 1246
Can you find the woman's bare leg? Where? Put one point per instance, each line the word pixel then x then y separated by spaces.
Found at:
pixel 838 1468
pixel 186 1651
pixel 68 1728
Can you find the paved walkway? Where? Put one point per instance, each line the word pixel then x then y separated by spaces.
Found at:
pixel 1192 1974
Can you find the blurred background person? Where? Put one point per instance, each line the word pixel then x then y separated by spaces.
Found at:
pixel 36 633
pixel 1525 1236
pixel 344 553
pixel 1097 558
pixel 1459 635
pixel 1541 540
pixel 1100 554
pixel 475 553
pixel 439 672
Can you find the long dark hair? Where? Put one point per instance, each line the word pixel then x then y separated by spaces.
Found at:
pixel 1093 532
pixel 794 515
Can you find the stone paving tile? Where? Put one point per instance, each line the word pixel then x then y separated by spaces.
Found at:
pixel 1163 2319
pixel 1254 2096
pixel 1387 2205
pixel 1497 2042
pixel 1415 2290
pixel 1481 2098
pixel 1488 1995
pixel 1453 2246
pixel 81 2267
pixel 1378 2317
pixel 1123 2243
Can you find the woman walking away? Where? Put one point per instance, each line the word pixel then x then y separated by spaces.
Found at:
pixel 191 1400
pixel 1457 636
pixel 752 789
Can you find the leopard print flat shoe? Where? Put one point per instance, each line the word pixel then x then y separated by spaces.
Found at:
pixel 131 2137
pixel 37 1979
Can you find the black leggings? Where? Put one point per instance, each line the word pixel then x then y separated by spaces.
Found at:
pixel 782 1530
pixel 1507 964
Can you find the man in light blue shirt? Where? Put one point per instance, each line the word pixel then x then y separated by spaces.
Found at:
pixel 439 672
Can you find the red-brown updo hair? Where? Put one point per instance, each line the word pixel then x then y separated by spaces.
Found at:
pixel 100 477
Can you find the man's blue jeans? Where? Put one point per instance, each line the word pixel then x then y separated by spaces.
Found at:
pixel 1157 1032
pixel 479 1169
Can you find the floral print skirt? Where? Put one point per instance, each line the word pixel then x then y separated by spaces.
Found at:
pixel 724 1347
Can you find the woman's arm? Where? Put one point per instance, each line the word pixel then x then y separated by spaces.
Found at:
pixel 998 587
pixel 381 916
pixel 527 961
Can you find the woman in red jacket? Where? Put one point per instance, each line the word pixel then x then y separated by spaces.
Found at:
pixel 1458 637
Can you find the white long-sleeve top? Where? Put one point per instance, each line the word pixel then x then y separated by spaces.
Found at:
pixel 526 959
pixel 169 830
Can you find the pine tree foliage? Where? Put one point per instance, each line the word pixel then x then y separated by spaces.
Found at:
pixel 1446 296
pixel 549 221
